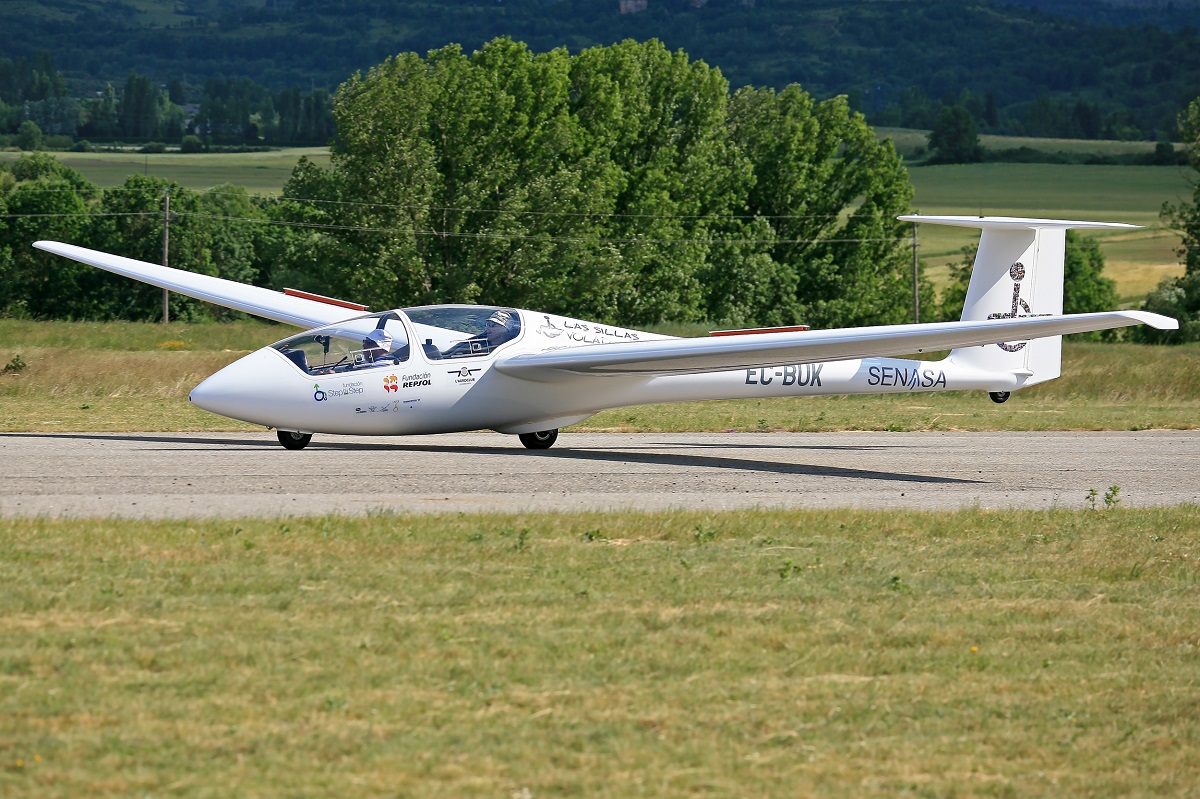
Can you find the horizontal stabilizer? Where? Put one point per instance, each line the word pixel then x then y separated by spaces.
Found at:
pixel 695 355
pixel 255 300
pixel 1015 223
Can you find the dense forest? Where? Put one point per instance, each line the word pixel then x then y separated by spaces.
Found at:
pixel 1123 71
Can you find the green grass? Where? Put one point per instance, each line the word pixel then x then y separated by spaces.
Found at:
pixel 258 172
pixel 680 654
pixel 120 376
pixel 911 142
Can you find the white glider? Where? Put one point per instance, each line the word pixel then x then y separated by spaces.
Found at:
pixel 447 368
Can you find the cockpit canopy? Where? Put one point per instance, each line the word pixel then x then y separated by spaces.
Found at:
pixel 444 331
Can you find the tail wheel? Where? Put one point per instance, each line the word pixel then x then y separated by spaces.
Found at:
pixel 543 439
pixel 999 396
pixel 293 440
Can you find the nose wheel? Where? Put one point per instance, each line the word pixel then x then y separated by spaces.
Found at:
pixel 293 440
pixel 543 439
pixel 999 396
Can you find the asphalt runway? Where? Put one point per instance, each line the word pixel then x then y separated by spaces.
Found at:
pixel 174 475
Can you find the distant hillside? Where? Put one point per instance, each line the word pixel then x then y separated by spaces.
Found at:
pixel 1023 70
pixel 1169 14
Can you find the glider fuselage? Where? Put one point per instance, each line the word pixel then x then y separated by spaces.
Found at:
pixel 439 385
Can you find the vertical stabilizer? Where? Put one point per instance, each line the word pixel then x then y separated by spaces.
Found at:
pixel 1018 272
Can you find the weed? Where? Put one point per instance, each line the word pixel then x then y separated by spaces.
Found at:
pixel 1112 497
pixel 593 534
pixel 333 704
pixel 704 535
pixel 789 569
pixel 17 364
pixel 522 537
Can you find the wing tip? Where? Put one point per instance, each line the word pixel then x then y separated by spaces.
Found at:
pixel 1155 320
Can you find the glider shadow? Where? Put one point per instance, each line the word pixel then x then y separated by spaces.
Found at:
pixel 576 454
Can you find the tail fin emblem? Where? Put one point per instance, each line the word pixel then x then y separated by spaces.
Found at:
pixel 1017 273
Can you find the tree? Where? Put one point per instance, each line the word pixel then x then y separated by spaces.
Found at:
pixel 212 233
pixel 1085 289
pixel 102 114
pixel 955 137
pixel 140 108
pixel 1180 297
pixel 812 163
pixel 45 201
pixel 29 136
pixel 623 183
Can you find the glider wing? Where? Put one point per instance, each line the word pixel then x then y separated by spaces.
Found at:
pixel 266 303
pixel 694 355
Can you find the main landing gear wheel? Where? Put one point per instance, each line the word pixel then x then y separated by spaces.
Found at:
pixel 999 396
pixel 543 439
pixel 294 440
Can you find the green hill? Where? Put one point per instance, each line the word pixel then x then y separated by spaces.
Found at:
pixel 1022 71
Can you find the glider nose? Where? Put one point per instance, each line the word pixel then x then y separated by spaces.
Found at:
pixel 237 391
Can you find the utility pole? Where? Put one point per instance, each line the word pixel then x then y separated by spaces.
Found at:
pixel 166 250
pixel 916 287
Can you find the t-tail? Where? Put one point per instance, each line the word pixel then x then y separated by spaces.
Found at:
pixel 1018 273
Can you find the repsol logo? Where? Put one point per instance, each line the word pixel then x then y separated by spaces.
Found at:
pixel 903 377
pixel 803 374
pixel 415 383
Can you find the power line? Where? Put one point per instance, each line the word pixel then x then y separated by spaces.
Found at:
pixel 460 234
pixel 80 216
pixel 280 199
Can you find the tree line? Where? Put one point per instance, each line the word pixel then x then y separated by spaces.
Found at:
pixel 34 103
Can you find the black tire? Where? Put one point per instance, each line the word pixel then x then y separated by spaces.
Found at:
pixel 999 396
pixel 543 439
pixel 293 440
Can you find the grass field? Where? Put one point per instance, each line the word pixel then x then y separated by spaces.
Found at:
pixel 911 142
pixel 822 654
pixel 259 172
pixel 1132 194
pixel 123 376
